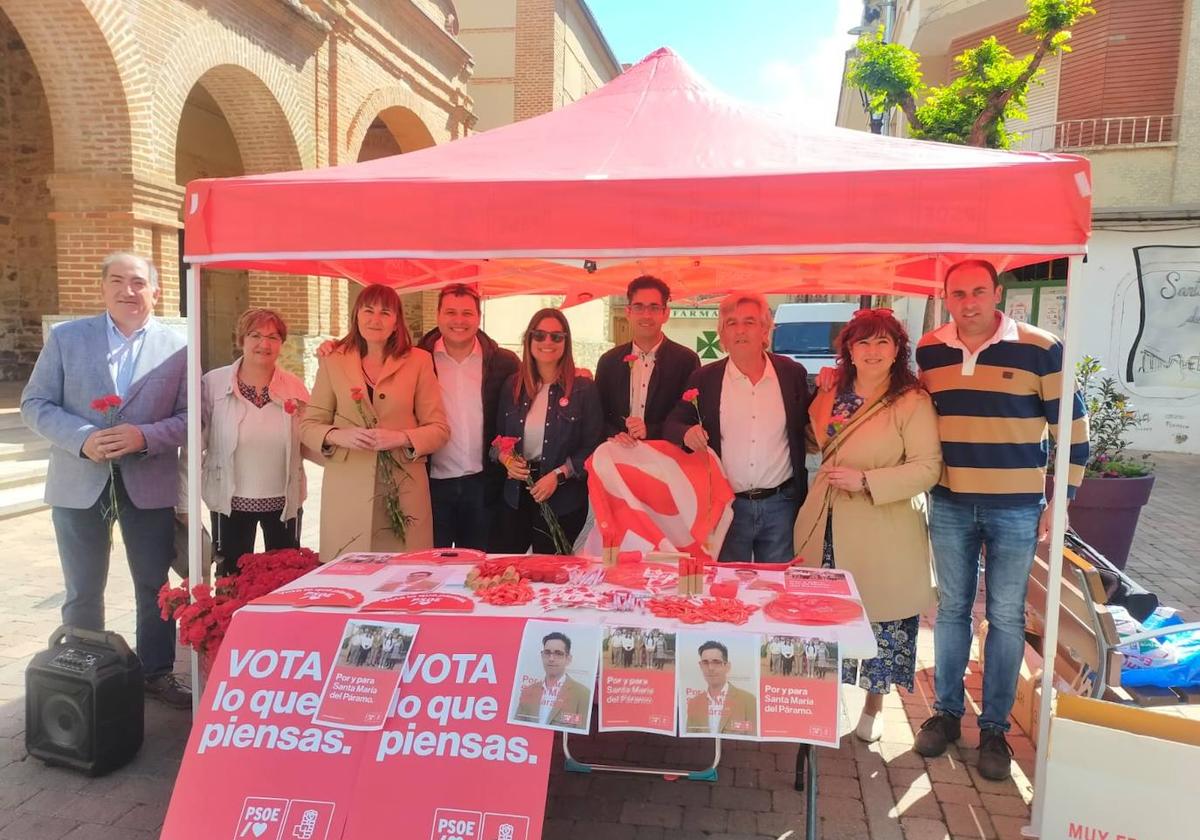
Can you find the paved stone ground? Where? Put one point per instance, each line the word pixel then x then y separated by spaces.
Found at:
pixel 884 792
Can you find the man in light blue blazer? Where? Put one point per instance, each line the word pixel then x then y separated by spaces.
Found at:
pixel 134 458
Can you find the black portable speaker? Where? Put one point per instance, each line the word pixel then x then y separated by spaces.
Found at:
pixel 84 701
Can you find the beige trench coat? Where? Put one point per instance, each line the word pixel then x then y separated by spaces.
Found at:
pixel 882 539
pixel 407 397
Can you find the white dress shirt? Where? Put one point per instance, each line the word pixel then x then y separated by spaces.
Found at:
pixel 1006 330
pixel 754 442
pixel 550 692
pixel 639 378
pixel 462 396
pixel 716 708
pixel 122 354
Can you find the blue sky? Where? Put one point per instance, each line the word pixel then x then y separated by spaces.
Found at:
pixel 786 54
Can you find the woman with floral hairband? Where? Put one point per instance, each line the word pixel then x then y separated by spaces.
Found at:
pixel 865 512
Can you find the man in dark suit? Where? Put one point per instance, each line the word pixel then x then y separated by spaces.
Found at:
pixel 640 381
pixel 464 485
pixel 120 465
pixel 753 409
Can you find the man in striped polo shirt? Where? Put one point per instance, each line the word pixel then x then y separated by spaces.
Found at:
pixel 995 383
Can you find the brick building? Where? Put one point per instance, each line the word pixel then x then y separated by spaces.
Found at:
pixel 108 107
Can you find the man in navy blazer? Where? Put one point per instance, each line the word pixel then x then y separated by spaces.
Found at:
pixel 640 381
pixel 133 459
pixel 753 409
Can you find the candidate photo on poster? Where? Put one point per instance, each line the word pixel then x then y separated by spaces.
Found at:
pixel 718 678
pixel 637 680
pixel 799 656
pixel 380 646
pixel 556 676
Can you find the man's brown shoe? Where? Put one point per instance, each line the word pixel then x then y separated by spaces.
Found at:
pixel 169 690
pixel 937 733
pixel 995 755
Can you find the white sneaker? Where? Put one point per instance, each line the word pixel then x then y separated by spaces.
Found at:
pixel 870 728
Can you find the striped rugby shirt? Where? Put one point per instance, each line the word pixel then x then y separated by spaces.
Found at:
pixel 995 409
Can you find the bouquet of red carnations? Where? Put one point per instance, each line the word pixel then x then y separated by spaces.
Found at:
pixel 204 612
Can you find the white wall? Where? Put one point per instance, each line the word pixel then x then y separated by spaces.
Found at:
pixel 1165 388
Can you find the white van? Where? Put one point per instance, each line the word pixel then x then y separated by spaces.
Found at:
pixel 805 332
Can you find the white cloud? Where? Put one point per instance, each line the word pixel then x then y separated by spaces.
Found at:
pixel 807 87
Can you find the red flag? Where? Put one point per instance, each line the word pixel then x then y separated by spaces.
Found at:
pixel 674 500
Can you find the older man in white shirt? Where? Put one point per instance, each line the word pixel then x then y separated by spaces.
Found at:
pixel 753 409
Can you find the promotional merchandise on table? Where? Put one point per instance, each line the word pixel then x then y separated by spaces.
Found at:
pixel 329 696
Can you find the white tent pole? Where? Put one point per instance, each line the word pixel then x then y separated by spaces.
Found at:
pixel 195 546
pixel 1058 527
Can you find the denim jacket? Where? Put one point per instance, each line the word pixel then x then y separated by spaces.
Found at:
pixel 573 431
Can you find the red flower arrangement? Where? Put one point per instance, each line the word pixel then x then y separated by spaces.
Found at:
pixel 109 406
pixel 505 451
pixel 204 613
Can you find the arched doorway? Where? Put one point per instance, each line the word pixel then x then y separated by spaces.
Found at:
pixel 232 125
pixel 28 256
pixel 394 131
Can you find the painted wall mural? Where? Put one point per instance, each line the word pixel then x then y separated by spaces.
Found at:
pixel 1166 349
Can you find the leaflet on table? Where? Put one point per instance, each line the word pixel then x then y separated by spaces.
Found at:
pixel 637 679
pixel 798 689
pixel 408 581
pixel 366 672
pixel 361 563
pixel 257 767
pixel 555 676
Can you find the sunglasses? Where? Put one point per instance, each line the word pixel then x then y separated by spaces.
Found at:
pixel 882 310
pixel 541 335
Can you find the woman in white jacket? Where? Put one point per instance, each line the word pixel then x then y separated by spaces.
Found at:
pixel 253 473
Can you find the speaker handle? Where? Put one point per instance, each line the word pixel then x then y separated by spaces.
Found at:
pixel 107 638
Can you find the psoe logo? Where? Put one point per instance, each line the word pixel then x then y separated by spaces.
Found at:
pixel 269 818
pixel 260 819
pixel 505 827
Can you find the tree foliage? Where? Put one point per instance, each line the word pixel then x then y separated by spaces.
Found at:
pixel 989 88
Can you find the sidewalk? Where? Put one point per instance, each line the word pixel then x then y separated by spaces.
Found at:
pixel 882 792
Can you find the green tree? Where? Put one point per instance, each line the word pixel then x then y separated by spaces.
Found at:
pixel 990 87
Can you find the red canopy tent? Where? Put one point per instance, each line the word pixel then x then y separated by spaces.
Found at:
pixel 654 172
pixel 655 168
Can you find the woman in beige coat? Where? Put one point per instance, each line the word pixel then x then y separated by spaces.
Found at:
pixel 375 392
pixel 865 512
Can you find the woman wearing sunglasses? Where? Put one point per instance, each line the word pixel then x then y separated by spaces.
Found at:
pixel 555 414
pixel 880 452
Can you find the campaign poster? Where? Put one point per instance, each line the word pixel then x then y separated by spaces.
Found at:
pixel 637 680
pixel 801 677
pixel 446 764
pixel 365 674
pixel 718 683
pixel 556 676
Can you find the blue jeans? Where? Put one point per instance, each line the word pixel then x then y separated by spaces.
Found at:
pixel 957 531
pixel 84 543
pixel 460 517
pixel 761 530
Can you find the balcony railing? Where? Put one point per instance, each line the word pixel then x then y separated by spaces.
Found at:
pixel 1100 132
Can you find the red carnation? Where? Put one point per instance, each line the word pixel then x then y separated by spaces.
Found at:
pixel 289 406
pixel 356 394
pixel 691 394
pixel 113 401
pixel 99 404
